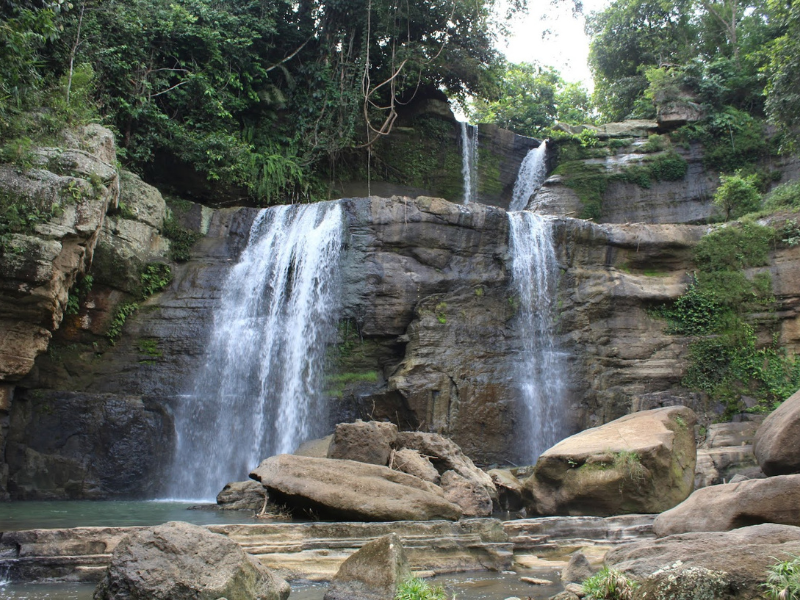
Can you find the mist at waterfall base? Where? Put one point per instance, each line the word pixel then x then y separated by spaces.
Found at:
pixel 541 370
pixel 469 161
pixel 259 391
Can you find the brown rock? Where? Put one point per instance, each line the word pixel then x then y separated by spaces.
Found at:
pixel 777 445
pixel 472 497
pixel 242 495
pixel 179 561
pixel 578 569
pixel 446 456
pixel 733 505
pixel 743 555
pixel 685 581
pixel 366 442
pixel 640 463
pixel 509 489
pixel 350 490
pixel 412 462
pixel 372 573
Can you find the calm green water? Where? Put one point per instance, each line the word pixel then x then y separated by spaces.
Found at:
pixel 465 586
pixel 15 516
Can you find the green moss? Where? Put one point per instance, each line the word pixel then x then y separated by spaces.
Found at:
pixel 180 239
pixel 589 181
pixel 489 183
pixel 439 311
pixel 336 384
pixel 149 347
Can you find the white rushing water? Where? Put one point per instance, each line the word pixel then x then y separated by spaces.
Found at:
pixel 259 392
pixel 531 176
pixel 469 161
pixel 542 368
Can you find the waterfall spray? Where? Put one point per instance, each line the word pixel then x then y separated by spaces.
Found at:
pixel 259 392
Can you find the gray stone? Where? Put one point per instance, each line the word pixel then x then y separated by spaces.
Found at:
pixel 578 569
pixel 776 443
pixel 179 561
pixel 349 490
pixel 730 434
pixel 315 448
pixel 472 497
pixel 372 573
pixel 685 581
pixel 367 442
pixel 242 495
pixel 733 505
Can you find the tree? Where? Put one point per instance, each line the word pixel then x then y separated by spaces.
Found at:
pixel 783 83
pixel 737 195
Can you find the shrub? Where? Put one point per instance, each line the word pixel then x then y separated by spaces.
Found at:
pixel 418 589
pixel 737 195
pixel 783 580
pixel 784 196
pixel 608 584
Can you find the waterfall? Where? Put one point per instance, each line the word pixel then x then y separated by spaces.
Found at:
pixel 541 372
pixel 469 161
pixel 259 391
pixel 531 176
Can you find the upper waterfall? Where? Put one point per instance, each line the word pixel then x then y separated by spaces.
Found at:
pixel 259 391
pixel 532 173
pixel 469 161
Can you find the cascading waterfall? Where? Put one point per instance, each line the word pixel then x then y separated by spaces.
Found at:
pixel 532 173
pixel 469 161
pixel 259 392
pixel 542 370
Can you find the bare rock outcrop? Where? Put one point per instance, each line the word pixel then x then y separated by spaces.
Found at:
pixel 372 573
pixel 777 442
pixel 732 505
pixel 179 561
pixel 640 463
pixel 740 556
pixel 472 497
pixel 367 442
pixel 350 490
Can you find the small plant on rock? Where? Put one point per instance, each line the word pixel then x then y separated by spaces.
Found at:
pixel 783 580
pixel 419 589
pixel 608 584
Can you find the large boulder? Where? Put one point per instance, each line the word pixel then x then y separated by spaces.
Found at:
pixel 740 556
pixel 179 561
pixel 640 463
pixel 412 462
pixel 367 442
pixel 732 505
pixel 472 497
pixel 349 490
pixel 776 445
pixel 446 455
pixel 372 573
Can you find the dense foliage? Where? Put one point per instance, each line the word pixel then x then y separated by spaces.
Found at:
pixel 254 95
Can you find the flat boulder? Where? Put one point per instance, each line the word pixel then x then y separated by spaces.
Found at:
pixel 732 505
pixel 446 455
pixel 372 573
pixel 777 445
pixel 351 491
pixel 640 463
pixel 179 561
pixel 738 558
pixel 363 441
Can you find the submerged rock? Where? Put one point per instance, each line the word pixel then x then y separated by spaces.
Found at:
pixel 372 573
pixel 349 490
pixel 732 505
pixel 740 556
pixel 640 463
pixel 777 443
pixel 179 561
